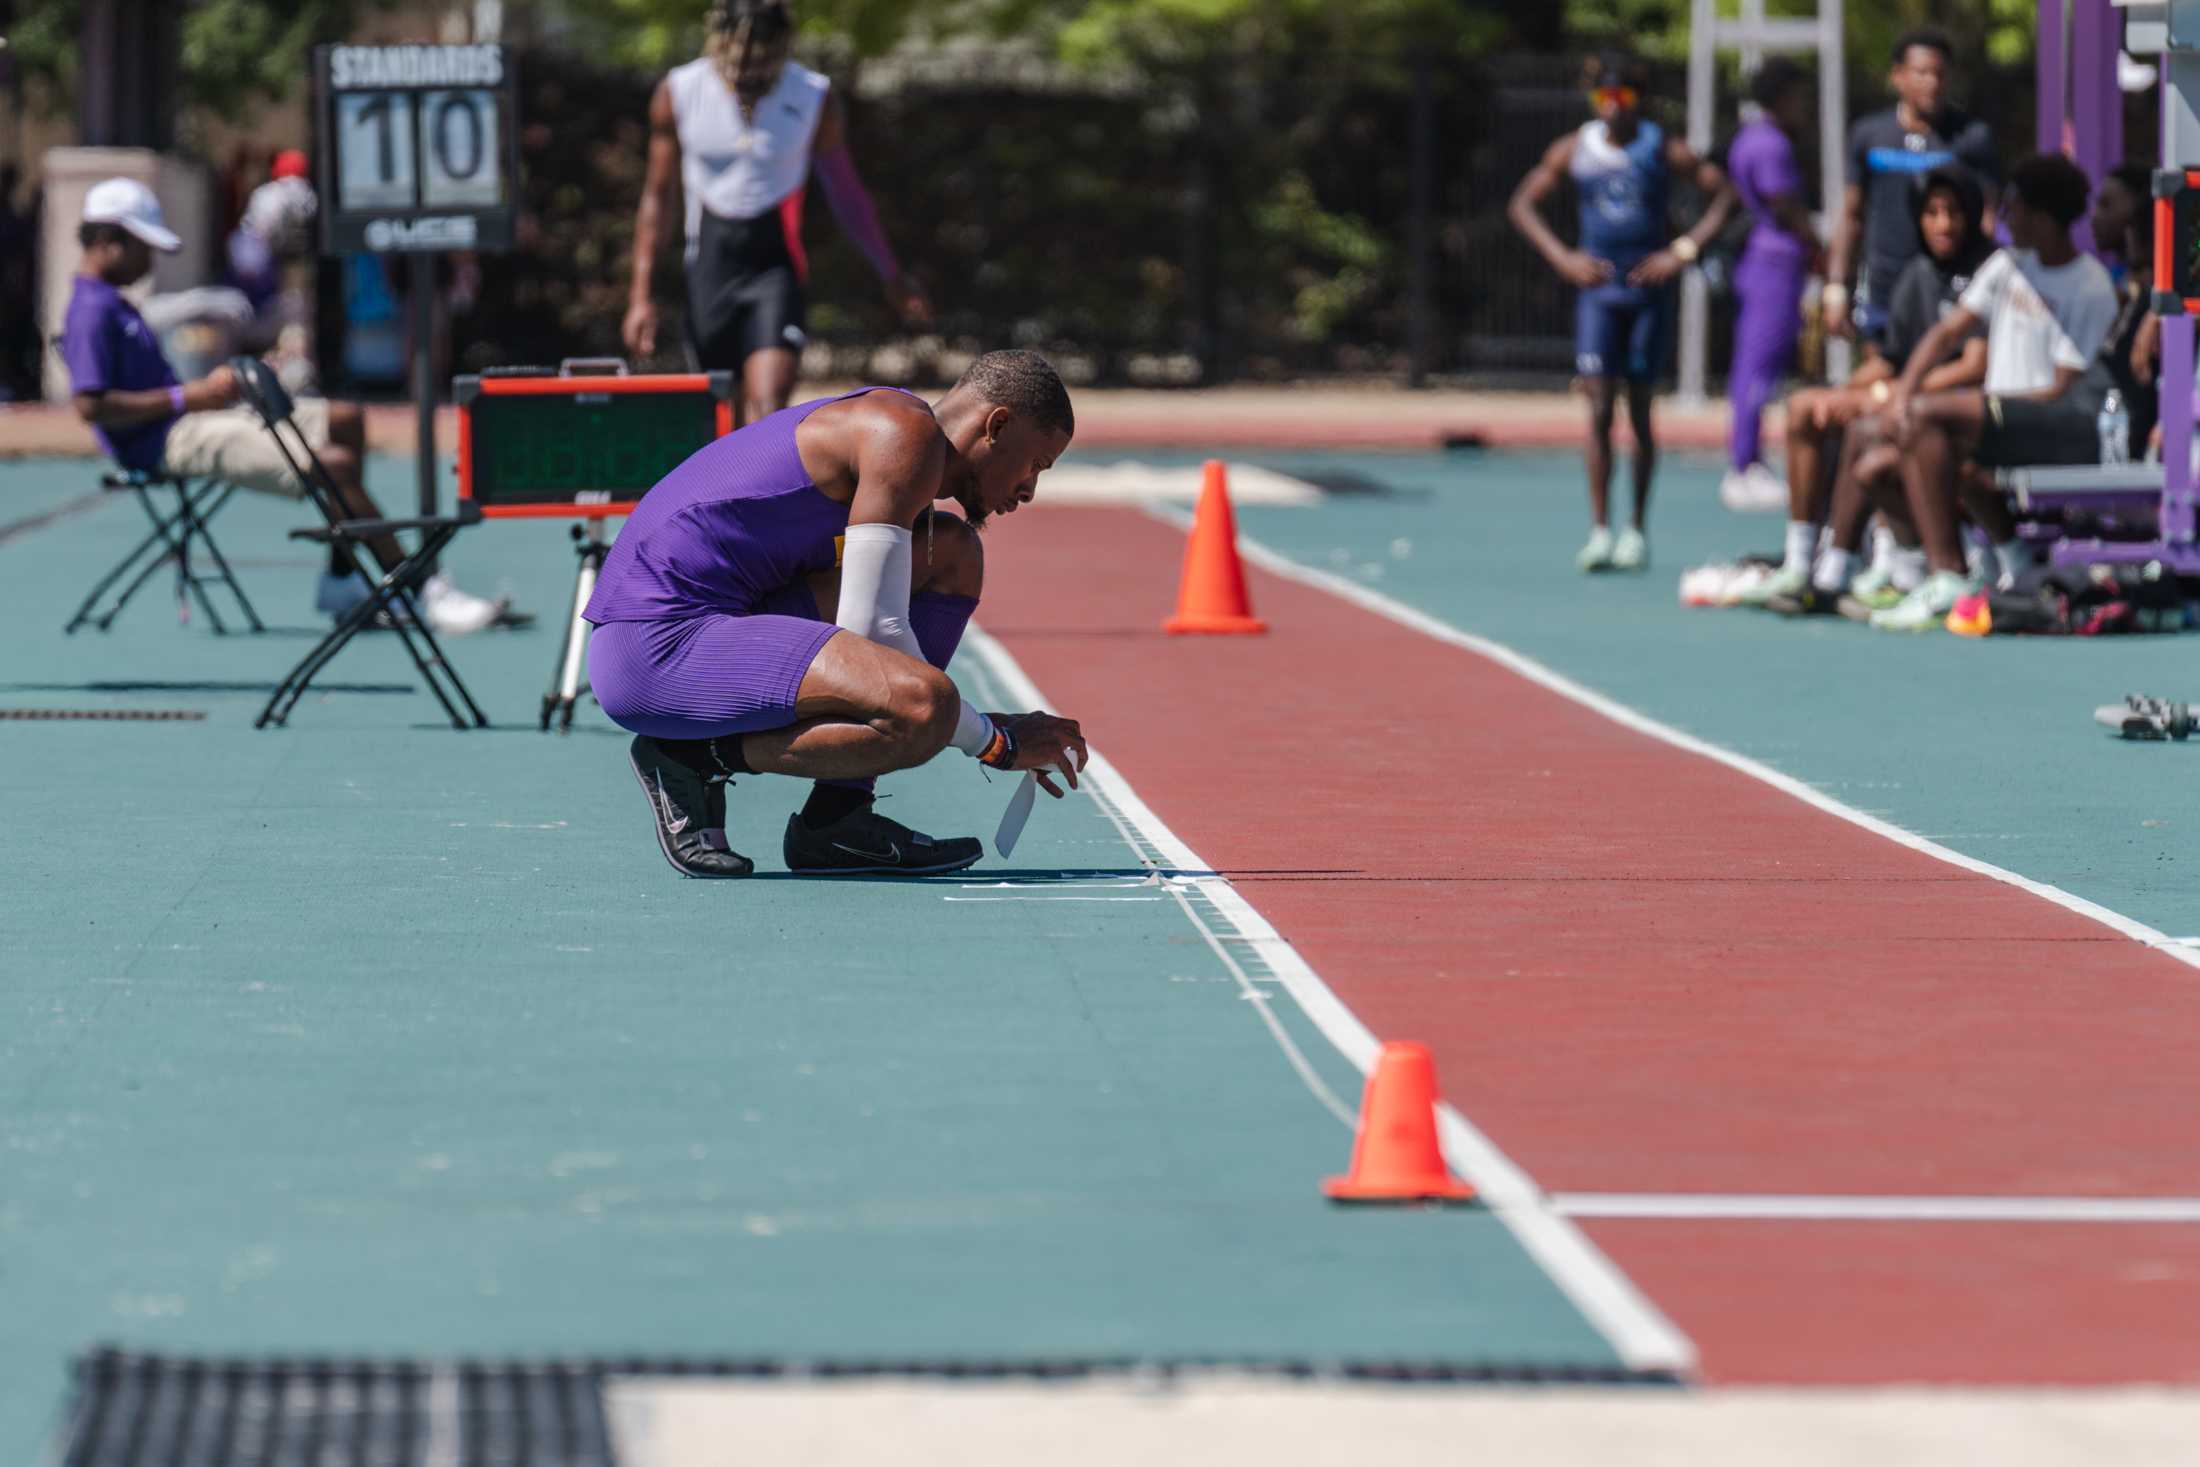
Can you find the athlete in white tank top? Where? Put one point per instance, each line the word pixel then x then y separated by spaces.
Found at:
pixel 741 167
pixel 740 130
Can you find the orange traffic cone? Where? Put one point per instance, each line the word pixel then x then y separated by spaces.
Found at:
pixel 1212 595
pixel 1395 1157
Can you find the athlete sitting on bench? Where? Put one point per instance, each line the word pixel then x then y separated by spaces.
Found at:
pixel 717 642
pixel 148 421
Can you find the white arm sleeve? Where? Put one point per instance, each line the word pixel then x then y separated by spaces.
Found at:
pixel 874 587
pixel 874 603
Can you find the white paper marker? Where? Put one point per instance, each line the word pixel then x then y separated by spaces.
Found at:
pixel 1018 811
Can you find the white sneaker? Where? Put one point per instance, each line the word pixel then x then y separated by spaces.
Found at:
pixel 1754 490
pixel 1630 552
pixel 1926 607
pixel 455 613
pixel 1596 555
pixel 1786 581
pixel 1872 581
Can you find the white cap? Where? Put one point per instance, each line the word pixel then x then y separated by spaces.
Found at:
pixel 131 204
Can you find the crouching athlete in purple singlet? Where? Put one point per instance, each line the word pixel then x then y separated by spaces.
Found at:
pixel 786 602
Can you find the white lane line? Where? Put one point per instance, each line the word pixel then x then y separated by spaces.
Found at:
pixel 1639 1333
pixel 1706 1206
pixel 1268 559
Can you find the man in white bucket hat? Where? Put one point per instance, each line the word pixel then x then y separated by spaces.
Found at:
pixel 147 420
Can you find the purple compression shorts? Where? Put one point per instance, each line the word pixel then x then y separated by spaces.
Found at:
pixel 703 677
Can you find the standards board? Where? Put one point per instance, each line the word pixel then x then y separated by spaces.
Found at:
pixel 418 147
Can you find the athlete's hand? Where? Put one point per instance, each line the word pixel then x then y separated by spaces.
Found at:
pixel 1898 410
pixel 1046 745
pixel 217 389
pixel 639 331
pixel 1584 269
pixel 909 301
pixel 1834 307
pixel 1838 409
pixel 2146 349
pixel 1656 269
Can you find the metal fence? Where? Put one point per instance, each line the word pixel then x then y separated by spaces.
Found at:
pixel 1273 218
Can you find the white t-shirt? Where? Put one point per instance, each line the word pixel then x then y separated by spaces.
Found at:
pixel 2039 319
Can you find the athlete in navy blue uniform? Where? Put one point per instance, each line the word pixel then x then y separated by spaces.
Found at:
pixel 1889 152
pixel 1621 164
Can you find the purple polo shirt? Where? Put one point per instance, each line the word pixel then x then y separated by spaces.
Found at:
pixel 1762 164
pixel 108 347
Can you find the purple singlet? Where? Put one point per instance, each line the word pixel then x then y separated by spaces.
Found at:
pixel 737 521
pixel 706 624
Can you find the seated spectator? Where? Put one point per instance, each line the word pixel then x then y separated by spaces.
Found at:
pixel 1831 430
pixel 2047 310
pixel 2123 220
pixel 147 420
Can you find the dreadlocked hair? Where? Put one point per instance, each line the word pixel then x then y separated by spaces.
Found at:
pixel 735 25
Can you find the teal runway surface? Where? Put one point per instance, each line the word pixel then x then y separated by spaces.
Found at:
pixel 369 1037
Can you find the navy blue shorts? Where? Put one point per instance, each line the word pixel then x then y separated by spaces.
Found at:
pixel 1623 330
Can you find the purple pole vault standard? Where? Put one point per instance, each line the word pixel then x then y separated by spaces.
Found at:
pixel 2112 87
pixel 2093 93
pixel 2047 63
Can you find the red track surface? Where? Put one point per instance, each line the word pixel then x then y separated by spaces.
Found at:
pixel 1631 996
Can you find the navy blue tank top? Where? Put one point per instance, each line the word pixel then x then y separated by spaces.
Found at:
pixel 1623 192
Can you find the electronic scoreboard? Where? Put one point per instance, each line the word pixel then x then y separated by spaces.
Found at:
pixel 535 444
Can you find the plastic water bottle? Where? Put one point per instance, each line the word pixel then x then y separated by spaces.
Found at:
pixel 2115 426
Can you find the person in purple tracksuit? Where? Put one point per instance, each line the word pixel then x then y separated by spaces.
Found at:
pixel 1769 279
pixel 786 602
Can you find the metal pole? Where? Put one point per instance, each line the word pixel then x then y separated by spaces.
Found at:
pixel 421 273
pixel 1753 50
pixel 1833 129
pixel 1703 43
pixel 2048 73
pixel 1417 224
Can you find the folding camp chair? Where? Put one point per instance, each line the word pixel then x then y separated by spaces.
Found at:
pixel 174 531
pixel 391 599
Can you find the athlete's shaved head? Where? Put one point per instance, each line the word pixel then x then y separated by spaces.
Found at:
pixel 1007 420
pixel 1026 384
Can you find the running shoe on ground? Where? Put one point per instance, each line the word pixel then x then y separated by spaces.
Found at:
pixel 455 613
pixel 1926 607
pixel 689 812
pixel 866 843
pixel 1863 606
pixel 1785 583
pixel 1596 555
pixel 1874 582
pixel 1630 552
pixel 1809 601
pixel 2141 717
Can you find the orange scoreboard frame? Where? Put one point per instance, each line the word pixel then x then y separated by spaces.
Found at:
pixel 533 444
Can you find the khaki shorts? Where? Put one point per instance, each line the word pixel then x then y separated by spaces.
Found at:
pixel 234 445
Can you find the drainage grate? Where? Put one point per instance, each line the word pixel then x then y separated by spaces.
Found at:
pixel 133 1410
pixel 104 715
pixel 150 1411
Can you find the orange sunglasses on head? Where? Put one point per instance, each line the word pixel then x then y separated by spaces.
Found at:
pixel 1623 97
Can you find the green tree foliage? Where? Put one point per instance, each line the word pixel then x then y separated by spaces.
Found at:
pixel 233 54
pixel 2000 30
